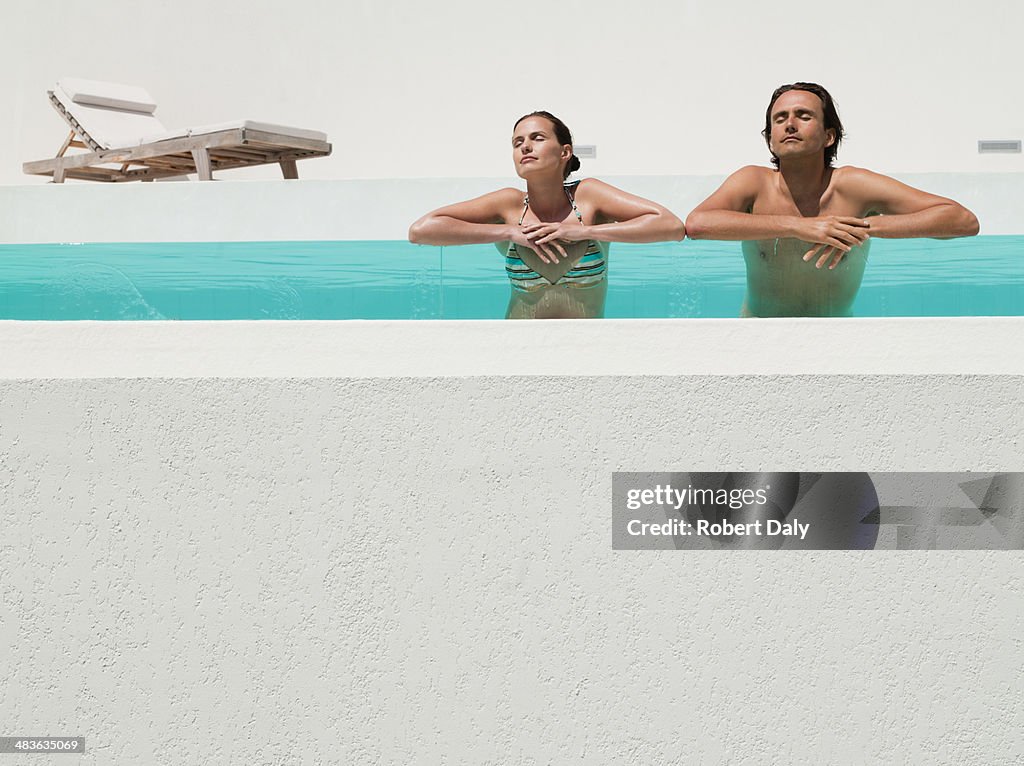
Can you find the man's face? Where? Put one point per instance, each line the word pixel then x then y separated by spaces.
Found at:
pixel 798 126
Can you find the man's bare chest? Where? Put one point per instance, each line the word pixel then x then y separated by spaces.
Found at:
pixel 833 201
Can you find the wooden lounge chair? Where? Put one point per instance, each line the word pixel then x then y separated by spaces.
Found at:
pixel 126 142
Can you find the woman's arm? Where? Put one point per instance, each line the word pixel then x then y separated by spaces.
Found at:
pixel 474 222
pixel 618 217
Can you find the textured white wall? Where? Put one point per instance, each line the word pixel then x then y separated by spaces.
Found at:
pixel 390 567
pixel 409 571
pixel 408 89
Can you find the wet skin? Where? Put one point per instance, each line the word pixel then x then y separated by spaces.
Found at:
pixel 548 236
pixel 806 227
pixel 780 283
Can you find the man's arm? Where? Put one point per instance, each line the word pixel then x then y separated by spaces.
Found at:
pixel 905 211
pixel 725 215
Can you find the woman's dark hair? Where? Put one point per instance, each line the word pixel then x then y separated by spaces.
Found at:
pixel 562 133
pixel 831 117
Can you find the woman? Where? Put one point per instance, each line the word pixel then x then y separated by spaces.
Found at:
pixel 555 238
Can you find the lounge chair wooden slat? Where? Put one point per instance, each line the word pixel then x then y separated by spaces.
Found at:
pixel 242 154
pixel 250 136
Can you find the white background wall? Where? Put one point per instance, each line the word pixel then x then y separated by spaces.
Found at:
pixel 409 89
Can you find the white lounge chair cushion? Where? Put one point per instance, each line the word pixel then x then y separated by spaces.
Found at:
pixel 111 95
pixel 267 127
pixel 110 128
pixel 115 127
pixel 313 135
pixel 203 130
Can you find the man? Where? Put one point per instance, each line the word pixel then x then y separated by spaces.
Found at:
pixel 805 225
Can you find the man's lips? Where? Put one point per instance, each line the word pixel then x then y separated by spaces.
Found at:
pixel 790 138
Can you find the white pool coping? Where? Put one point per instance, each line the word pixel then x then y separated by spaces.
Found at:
pixel 622 347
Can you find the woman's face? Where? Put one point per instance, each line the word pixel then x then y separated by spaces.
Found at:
pixel 536 151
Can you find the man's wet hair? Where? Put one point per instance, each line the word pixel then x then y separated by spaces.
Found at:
pixel 832 121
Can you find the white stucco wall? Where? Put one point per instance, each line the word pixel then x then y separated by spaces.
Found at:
pixel 407 89
pixel 268 544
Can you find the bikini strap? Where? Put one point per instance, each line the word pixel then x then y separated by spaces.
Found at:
pixel 565 187
pixel 573 201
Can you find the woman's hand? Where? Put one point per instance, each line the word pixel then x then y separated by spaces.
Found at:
pixel 550 238
pixel 527 235
pixel 542 233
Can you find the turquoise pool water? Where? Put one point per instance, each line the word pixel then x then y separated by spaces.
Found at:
pixel 982 276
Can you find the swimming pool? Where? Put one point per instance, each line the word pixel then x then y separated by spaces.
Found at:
pixel 982 276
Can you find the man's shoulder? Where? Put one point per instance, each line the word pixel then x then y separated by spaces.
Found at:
pixel 750 176
pixel 864 186
pixel 755 171
pixel 850 174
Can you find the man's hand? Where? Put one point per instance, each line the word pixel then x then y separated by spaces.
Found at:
pixel 835 237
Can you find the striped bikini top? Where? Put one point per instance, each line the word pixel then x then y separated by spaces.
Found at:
pixel 589 270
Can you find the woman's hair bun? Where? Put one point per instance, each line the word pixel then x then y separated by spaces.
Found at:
pixel 574 163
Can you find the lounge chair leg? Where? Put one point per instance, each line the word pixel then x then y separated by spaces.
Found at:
pixel 58 172
pixel 202 160
pixel 288 169
pixel 66 144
